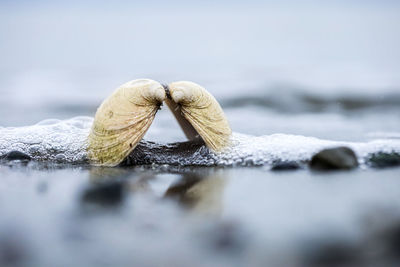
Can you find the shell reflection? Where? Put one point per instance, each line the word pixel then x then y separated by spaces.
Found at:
pixel 200 194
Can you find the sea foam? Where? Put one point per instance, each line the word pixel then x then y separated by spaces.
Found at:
pixel 64 141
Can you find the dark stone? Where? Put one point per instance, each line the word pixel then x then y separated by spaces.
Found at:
pixel 181 153
pixel 226 237
pixel 338 158
pixel 285 166
pixel 392 237
pixel 384 160
pixel 331 252
pixel 384 243
pixel 105 194
pixel 14 250
pixel 15 155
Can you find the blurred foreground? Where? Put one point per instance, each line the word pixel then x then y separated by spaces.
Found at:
pixel 62 216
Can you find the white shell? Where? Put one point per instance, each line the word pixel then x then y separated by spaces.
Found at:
pixel 199 114
pixel 122 120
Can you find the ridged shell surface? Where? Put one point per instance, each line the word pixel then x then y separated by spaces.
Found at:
pixel 122 120
pixel 199 114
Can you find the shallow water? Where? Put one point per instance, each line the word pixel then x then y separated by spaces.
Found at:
pixel 196 216
pixel 292 79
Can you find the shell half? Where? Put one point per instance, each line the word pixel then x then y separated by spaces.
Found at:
pixel 199 114
pixel 122 120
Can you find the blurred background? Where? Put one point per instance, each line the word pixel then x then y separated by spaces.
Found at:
pixel 329 70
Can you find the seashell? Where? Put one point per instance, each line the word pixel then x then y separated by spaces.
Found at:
pixel 122 120
pixel 199 114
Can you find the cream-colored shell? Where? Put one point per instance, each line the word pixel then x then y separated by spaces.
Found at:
pixel 199 114
pixel 122 120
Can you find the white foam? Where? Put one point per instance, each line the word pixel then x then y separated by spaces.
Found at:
pixel 266 149
pixel 52 140
pixel 65 141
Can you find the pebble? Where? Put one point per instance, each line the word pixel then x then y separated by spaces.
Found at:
pixel 338 158
pixel 384 160
pixel 285 166
pixel 15 155
pixel 104 194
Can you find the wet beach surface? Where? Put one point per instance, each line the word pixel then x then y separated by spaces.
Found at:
pixel 156 215
pixel 293 79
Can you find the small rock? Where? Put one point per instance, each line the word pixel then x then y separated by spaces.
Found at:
pixel 331 252
pixel 391 240
pixel 338 158
pixel 285 166
pixel 60 158
pixel 226 237
pixel 105 194
pixel 384 160
pixel 382 242
pixel 14 249
pixel 15 155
